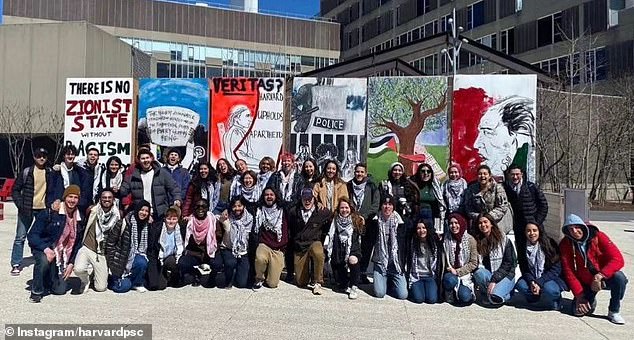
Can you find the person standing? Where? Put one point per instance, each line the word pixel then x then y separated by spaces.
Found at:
pixel 153 184
pixel 365 196
pixel 453 189
pixel 68 172
pixel 431 205
pixel 93 171
pixel 204 185
pixel 179 174
pixel 310 225
pixel 591 262
pixel 102 219
pixel 486 196
pixel 331 188
pixel 55 239
pixel 33 192
pixel 111 177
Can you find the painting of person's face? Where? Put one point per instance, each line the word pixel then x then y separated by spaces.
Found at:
pixel 245 118
pixel 495 144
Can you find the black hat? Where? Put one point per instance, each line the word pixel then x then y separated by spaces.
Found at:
pixel 39 152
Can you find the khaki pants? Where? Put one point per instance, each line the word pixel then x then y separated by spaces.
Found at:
pixel 316 253
pixel 86 257
pixel 269 262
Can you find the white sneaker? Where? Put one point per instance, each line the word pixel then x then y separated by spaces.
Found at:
pixel 317 290
pixel 140 289
pixel 353 295
pixel 616 318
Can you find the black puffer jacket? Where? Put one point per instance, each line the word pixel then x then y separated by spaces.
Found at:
pixel 298 183
pixel 164 190
pixel 118 247
pixel 529 205
pixel 23 190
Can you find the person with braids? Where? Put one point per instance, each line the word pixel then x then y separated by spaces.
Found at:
pixel 232 257
pixel 204 185
pixel 495 277
pixel 389 272
pixel 426 264
pixel 343 245
pixel 461 250
pixel 541 268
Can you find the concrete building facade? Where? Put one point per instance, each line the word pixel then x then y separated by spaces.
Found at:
pixel 540 32
pixel 189 41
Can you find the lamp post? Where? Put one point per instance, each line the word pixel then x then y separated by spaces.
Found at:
pixel 455 43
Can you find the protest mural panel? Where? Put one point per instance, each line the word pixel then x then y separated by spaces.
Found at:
pixel 174 114
pixel 328 121
pixel 247 119
pixel 99 114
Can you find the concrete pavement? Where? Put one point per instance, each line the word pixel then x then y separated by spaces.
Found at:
pixel 292 313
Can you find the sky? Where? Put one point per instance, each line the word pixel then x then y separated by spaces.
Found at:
pixel 302 8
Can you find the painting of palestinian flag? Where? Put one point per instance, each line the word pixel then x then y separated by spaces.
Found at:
pixel 407 123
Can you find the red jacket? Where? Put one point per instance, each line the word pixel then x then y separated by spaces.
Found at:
pixel 601 252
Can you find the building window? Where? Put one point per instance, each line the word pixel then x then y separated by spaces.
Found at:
pixel 518 5
pixel 162 70
pixel 475 15
pixel 507 41
pixel 444 22
pixel 489 41
pixel 549 30
pixel 596 65
pixel 430 28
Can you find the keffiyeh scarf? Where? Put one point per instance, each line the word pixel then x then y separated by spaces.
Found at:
pixel 536 259
pixel 270 218
pixel 358 192
pixel 240 229
pixel 386 248
pixel 286 184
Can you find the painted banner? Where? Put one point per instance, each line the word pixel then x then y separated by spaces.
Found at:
pixel 247 119
pixel 493 123
pixel 407 122
pixel 328 121
pixel 174 113
pixel 99 114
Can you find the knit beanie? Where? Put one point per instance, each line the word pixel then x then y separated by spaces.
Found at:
pixel 72 189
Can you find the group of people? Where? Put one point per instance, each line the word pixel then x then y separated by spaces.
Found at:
pixel 150 227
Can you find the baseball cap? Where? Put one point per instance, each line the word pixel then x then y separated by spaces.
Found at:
pixel 307 193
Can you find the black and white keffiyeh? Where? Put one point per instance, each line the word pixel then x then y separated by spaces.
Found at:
pixel 270 218
pixel 240 229
pixel 386 247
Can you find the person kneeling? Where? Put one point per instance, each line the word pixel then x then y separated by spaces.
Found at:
pixel 541 269
pixel 461 250
pixel 55 239
pixel 495 277
pixel 426 262
pixel 343 246
pixel 272 232
pixel 165 250
pixel 310 224
pixel 590 262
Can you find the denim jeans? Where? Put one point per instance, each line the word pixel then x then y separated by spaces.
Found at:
pixel 24 223
pixel 424 290
pixel 450 281
pixel 389 282
pixel 46 276
pixel 236 270
pixel 137 273
pixel 550 293
pixel 616 285
pixel 119 285
pixel 501 291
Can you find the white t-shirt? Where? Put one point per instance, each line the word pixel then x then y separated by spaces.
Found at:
pixel 147 185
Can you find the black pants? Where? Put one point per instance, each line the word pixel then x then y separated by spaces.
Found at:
pixel 341 274
pixel 190 275
pixel 367 245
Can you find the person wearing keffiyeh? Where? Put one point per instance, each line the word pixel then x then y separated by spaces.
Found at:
pixel 496 275
pixel 201 235
pixel 271 228
pixel 425 264
pixel 541 268
pixel 343 245
pixel 453 189
pixel 102 218
pixel 206 185
pixel 136 266
pixel 389 276
pixel 461 251
pixel 165 249
pixel 232 255
pixel 55 239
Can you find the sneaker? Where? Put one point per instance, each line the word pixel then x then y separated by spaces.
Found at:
pixel 353 295
pixel 34 298
pixel 450 297
pixel 84 288
pixel 317 290
pixel 15 271
pixel 258 285
pixel 616 318
pixel 140 289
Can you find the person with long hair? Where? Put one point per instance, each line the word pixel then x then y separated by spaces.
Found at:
pixel 496 274
pixel 249 189
pixel 486 196
pixel 271 227
pixel 233 251
pixel 226 173
pixel 204 185
pixel 310 173
pixel 389 266
pixel 453 189
pixel 426 264
pixel 111 177
pixel 461 251
pixel 331 188
pixel 431 206
pixel 541 268
pixel 200 243
pixel 267 168
pixel 343 246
